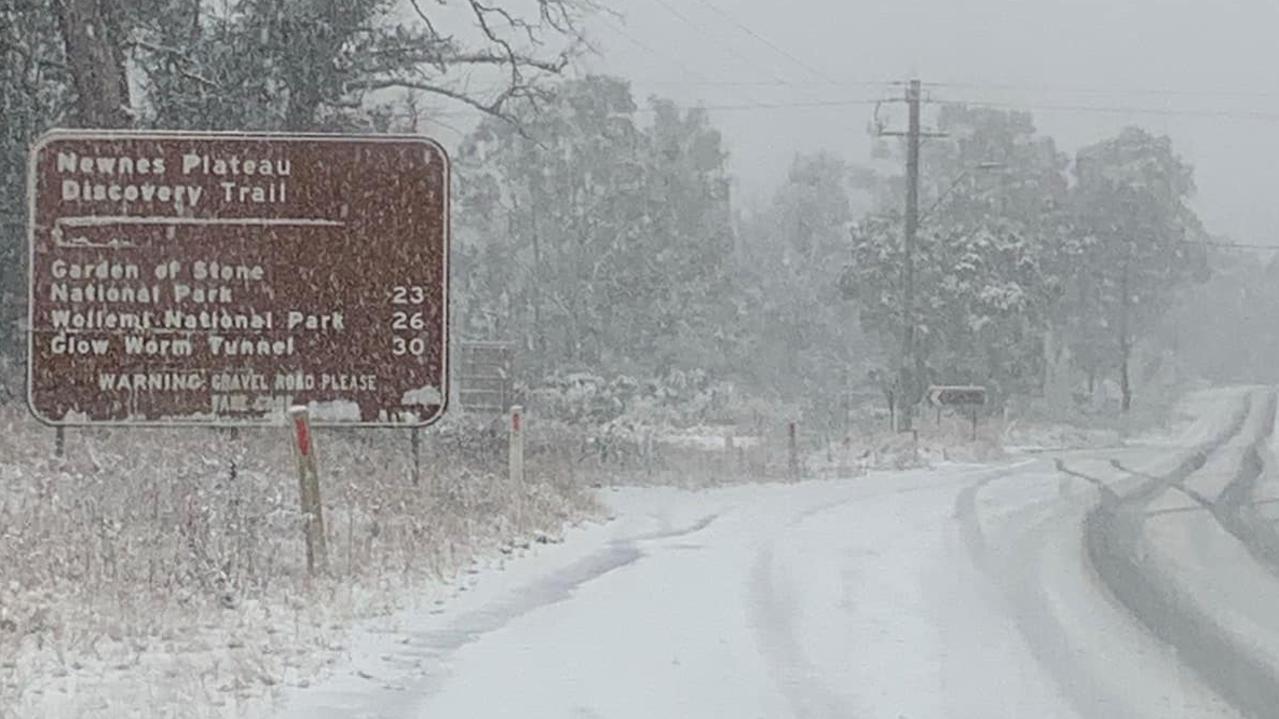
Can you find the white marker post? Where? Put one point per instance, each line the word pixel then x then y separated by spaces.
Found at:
pixel 516 459
pixel 517 444
pixel 309 490
pixel 415 440
pixel 792 442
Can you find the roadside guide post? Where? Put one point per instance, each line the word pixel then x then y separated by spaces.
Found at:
pixel 516 459
pixel 415 439
pixel 309 490
pixel 516 462
pixel 792 445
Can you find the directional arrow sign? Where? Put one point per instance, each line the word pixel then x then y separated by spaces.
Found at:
pixel 957 396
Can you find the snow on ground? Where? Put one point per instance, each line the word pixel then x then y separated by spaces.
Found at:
pixel 955 591
pixel 646 623
pixel 846 598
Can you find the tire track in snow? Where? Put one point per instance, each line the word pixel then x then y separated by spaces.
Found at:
pixel 774 610
pixel 1045 638
pixel 793 673
pixel 1014 572
pixel 429 650
pixel 1113 534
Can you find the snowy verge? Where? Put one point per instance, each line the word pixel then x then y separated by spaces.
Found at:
pixel 162 573
pixel 1192 583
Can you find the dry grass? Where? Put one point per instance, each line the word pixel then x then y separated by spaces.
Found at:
pixel 134 535
pixel 168 565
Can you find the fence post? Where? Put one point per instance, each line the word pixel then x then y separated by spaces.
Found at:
pixel 728 451
pixel 309 490
pixel 793 449
pixel 845 447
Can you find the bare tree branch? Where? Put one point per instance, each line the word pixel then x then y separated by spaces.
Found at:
pixel 481 13
pixel 179 58
pixel 493 107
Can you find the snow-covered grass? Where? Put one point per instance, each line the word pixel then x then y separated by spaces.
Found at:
pixel 1036 424
pixel 154 572
pixel 162 572
pixel 151 568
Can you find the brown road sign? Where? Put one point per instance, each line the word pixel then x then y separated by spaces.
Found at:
pixel 220 278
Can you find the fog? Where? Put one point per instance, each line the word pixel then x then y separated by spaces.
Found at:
pixel 1199 72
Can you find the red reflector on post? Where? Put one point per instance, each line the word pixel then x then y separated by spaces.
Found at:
pixel 304 435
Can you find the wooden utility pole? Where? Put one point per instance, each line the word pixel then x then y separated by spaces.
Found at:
pixel 910 364
pixel 907 371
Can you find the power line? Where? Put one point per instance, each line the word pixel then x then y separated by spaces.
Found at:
pixel 1082 90
pixel 728 107
pixel 1123 110
pixel 768 43
pixel 1041 89
pixel 1234 245
pixel 644 46
pixel 790 105
pixel 770 83
pixel 752 104
pixel 701 30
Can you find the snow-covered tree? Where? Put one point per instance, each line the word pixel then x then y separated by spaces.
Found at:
pixel 989 258
pixel 34 90
pixel 802 337
pixel 1141 243
pixel 319 64
pixel 592 239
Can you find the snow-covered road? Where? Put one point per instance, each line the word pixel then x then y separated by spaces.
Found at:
pixel 959 591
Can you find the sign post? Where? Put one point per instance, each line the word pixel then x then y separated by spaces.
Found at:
pixel 968 396
pixel 182 279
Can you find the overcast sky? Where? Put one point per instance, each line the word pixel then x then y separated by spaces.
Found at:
pixel 1207 70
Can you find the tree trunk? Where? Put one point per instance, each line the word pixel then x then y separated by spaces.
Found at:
pixel 92 35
